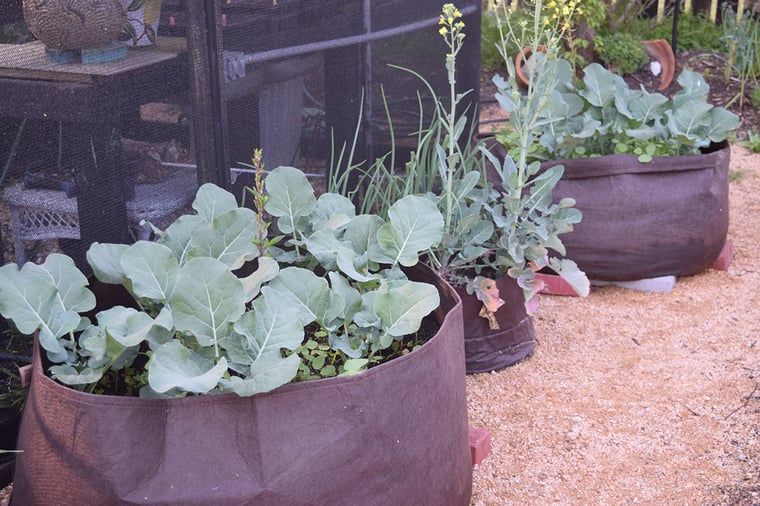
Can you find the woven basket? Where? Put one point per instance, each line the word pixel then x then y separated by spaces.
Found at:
pixel 75 24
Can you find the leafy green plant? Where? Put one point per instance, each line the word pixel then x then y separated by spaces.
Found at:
pixel 602 115
pixel 752 143
pixel 622 13
pixel 621 51
pixel 213 313
pixel 754 97
pixel 12 394
pixel 695 31
pixel 593 13
pixel 444 169
pixel 527 222
pixel 490 230
pixel 735 175
pixel 489 38
pixel 741 42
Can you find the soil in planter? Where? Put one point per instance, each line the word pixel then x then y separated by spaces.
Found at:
pixel 320 361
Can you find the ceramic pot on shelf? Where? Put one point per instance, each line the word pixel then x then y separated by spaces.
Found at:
pixel 141 27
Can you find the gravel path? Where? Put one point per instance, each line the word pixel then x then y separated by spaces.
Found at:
pixel 634 397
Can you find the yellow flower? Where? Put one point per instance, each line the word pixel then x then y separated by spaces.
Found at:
pixel 443 30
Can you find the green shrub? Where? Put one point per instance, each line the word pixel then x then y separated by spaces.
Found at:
pixel 490 57
pixel 694 32
pixel 622 51
pixel 755 97
pixel 752 143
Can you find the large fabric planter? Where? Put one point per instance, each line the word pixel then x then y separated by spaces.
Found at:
pixel 396 434
pixel 644 220
pixel 491 350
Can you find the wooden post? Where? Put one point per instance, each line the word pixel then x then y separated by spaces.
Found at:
pixel 660 10
pixel 739 11
pixel 687 7
pixel 209 110
pixel 714 11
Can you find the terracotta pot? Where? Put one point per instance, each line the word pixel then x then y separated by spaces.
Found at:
pixel 522 60
pixel 661 51
pixel 644 220
pixel 491 350
pixel 395 434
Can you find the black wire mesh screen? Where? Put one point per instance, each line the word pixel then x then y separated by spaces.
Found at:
pixel 93 141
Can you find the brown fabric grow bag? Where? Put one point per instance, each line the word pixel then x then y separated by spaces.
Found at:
pixel 396 434
pixel 491 350
pixel 643 220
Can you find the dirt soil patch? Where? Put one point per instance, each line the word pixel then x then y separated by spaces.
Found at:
pixel 636 397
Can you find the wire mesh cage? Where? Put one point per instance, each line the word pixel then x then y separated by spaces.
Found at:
pixel 215 80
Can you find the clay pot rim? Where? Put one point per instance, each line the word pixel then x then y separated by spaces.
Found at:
pixel 522 57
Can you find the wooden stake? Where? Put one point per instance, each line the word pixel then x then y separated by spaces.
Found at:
pixel 660 10
pixel 714 11
pixel 687 7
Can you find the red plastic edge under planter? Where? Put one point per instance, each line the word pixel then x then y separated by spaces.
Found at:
pixel 491 350
pixel 644 220
pixel 396 434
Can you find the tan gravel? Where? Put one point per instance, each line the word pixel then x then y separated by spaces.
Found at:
pixel 636 397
